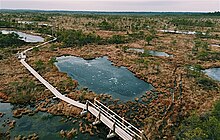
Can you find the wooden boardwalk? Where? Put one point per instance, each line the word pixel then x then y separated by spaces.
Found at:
pixel 103 114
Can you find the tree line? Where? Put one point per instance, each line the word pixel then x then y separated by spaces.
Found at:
pixel 73 38
pixel 9 40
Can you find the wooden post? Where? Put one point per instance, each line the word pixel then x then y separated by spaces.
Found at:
pixel 86 109
pixel 123 120
pixel 142 134
pixel 172 94
pixel 95 100
pixel 99 115
pixel 173 97
pixel 87 105
pixel 174 88
pixel 98 118
pixel 113 129
pixel 181 85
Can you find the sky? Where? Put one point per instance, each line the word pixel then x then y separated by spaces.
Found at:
pixel 115 5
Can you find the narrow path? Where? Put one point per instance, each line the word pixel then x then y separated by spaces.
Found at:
pixel 116 124
pixel 51 88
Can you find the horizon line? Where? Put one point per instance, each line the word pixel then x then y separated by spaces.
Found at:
pixel 108 11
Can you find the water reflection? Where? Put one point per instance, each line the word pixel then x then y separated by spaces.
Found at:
pixel 213 73
pixel 25 37
pixel 101 76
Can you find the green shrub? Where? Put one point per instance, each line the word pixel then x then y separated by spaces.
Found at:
pixel 71 38
pixel 36 49
pixel 23 92
pixel 104 25
pixel 192 22
pixel 216 110
pixel 117 39
pixel 208 56
pixel 206 126
pixel 52 60
pixel 207 83
pixel 10 40
pixel 145 54
pixel 39 65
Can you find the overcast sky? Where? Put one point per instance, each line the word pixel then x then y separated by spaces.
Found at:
pixel 115 5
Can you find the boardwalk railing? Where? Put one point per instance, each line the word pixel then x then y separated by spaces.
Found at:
pixel 117 125
pixel 119 121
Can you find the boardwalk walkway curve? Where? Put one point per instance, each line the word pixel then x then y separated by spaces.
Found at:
pixel 103 114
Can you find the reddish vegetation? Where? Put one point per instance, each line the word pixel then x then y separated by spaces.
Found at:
pixel 159 116
pixel 3 96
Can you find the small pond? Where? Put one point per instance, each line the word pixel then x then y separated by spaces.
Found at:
pixel 47 126
pixel 136 50
pixel 156 53
pixel 215 45
pixel 150 52
pixel 25 37
pixel 214 73
pixel 180 32
pixel 100 76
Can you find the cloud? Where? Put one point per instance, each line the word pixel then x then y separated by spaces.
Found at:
pixel 114 5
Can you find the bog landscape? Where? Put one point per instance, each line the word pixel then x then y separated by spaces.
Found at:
pixel 116 75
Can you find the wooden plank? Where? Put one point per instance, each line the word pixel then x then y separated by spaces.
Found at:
pixel 120 132
pixel 51 88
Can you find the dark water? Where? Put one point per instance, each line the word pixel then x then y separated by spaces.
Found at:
pixel 213 73
pixel 47 126
pixel 26 37
pixel 101 76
